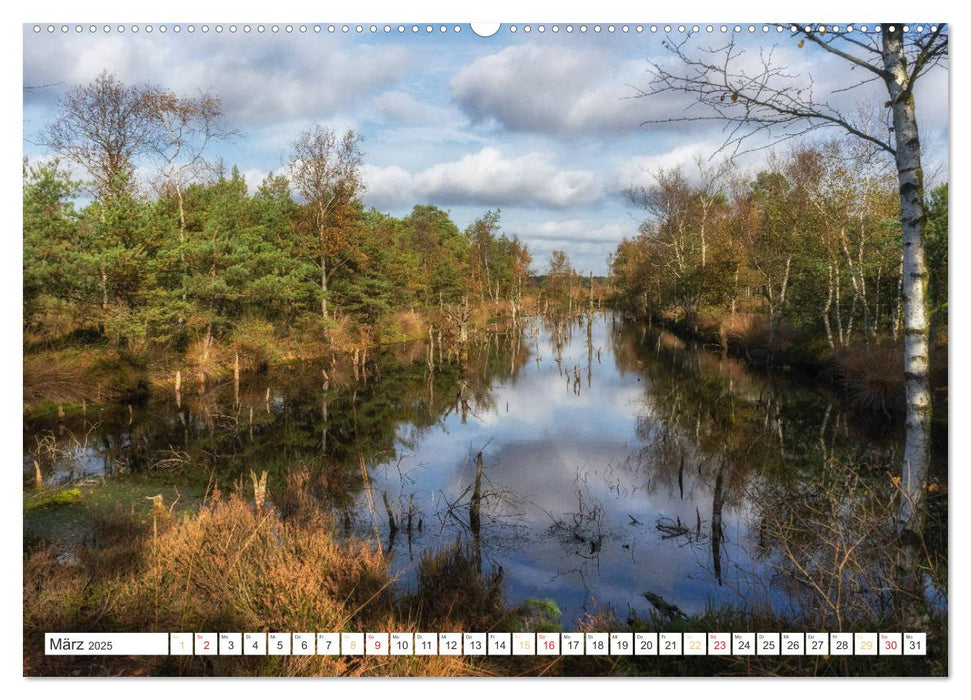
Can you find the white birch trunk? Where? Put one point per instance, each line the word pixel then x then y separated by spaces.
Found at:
pixel 911 177
pixel 827 307
pixel 323 286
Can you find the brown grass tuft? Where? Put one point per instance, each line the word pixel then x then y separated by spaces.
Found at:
pixel 745 329
pixel 872 376
pixel 451 592
pixel 231 567
pixel 410 324
pixel 63 376
pixel 346 335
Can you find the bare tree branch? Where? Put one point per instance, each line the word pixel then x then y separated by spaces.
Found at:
pixel 816 38
pixel 771 101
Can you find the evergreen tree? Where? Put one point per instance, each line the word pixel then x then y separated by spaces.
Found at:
pixel 51 240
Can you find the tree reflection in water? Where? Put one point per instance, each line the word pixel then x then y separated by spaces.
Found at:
pixel 591 459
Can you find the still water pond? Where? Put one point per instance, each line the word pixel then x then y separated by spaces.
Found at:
pixel 615 460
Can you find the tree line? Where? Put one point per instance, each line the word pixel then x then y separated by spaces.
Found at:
pixel 161 245
pixel 768 100
pixel 809 249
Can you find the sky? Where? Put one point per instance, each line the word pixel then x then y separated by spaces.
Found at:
pixel 547 127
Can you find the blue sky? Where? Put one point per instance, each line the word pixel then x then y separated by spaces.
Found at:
pixel 541 125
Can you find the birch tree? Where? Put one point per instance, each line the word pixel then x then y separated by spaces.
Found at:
pixel 183 129
pixel 326 170
pixel 676 230
pixel 103 127
pixel 763 100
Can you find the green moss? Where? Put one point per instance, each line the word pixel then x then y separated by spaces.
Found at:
pixel 52 499
pixel 540 615
pixel 49 409
pixel 69 515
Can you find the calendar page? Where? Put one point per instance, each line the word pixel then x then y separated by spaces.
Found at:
pixel 538 349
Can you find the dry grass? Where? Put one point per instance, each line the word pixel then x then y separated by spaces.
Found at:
pixel 451 591
pixel 73 376
pixel 254 341
pixel 529 305
pixel 60 377
pixel 482 314
pixel 669 341
pixel 872 377
pixel 52 321
pixel 410 324
pixel 212 363
pixel 232 567
pixel 745 329
pixel 346 335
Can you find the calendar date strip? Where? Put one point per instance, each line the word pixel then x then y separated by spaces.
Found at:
pixel 486 644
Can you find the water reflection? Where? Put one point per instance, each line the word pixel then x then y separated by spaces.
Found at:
pixel 591 461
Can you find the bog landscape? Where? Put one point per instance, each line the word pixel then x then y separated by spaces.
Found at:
pixel 424 342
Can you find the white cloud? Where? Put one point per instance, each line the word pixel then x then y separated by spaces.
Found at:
pixel 573 231
pixel 254 178
pixel 388 187
pixel 400 108
pixel 541 127
pixel 639 171
pixel 587 243
pixel 546 89
pixel 261 79
pixel 584 256
pixel 485 178
pixel 74 171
